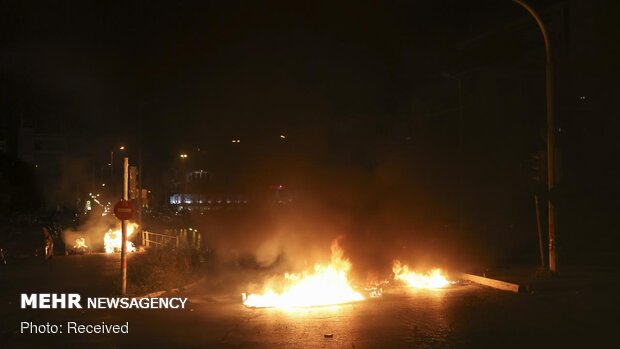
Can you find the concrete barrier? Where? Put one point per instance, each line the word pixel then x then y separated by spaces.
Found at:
pixel 498 284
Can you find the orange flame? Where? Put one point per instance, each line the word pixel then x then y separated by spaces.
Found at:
pixel 431 280
pixel 80 243
pixel 326 285
pixel 112 241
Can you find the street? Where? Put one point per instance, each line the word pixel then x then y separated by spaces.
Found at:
pixel 460 316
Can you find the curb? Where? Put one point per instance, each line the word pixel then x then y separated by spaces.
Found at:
pixel 174 290
pixel 498 284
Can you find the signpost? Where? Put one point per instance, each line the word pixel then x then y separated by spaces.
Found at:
pixel 124 211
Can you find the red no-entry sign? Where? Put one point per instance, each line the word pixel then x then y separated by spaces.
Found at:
pixel 123 210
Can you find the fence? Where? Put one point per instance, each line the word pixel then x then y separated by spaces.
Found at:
pixel 159 240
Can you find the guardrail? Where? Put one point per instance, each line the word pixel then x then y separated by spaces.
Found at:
pixel 158 240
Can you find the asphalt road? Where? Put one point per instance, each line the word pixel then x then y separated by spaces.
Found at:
pixel 462 316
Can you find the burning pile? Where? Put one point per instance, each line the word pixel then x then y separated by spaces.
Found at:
pixel 431 280
pixel 80 243
pixel 79 247
pixel 325 285
pixel 112 240
pixel 329 285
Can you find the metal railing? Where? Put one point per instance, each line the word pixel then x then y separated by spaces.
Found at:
pixel 159 240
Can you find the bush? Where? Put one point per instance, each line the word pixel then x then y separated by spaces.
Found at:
pixel 162 269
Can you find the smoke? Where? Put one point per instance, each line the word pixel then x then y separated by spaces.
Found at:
pixel 92 230
pixel 379 214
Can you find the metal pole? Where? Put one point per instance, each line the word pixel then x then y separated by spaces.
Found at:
pixel 112 186
pixel 140 202
pixel 550 134
pixel 124 229
pixel 539 228
pixel 140 185
pixel 461 160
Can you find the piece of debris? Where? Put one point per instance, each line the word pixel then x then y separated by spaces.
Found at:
pixel 328 335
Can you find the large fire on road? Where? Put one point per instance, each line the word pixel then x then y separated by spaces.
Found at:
pixel 325 285
pixel 112 240
pixel 329 285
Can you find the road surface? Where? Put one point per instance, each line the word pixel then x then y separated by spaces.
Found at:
pixel 461 316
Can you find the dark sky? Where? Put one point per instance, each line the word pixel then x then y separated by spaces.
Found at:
pixel 212 71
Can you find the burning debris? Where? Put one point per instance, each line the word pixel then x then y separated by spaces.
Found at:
pixel 329 285
pixel 325 285
pixel 80 243
pixel 431 280
pixel 112 240
pixel 79 247
pixel 376 290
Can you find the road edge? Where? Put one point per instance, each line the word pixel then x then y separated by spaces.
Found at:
pixel 174 290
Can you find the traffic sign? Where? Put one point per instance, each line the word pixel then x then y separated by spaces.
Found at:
pixel 123 210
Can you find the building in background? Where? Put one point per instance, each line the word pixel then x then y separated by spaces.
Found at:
pixel 196 191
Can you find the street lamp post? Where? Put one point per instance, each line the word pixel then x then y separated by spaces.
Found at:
pixel 112 181
pixel 550 134
pixel 111 165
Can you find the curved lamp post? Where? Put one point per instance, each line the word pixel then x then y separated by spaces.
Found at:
pixel 550 133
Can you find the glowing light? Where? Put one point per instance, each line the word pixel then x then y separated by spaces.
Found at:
pixel 80 243
pixel 112 240
pixel 325 285
pixel 431 280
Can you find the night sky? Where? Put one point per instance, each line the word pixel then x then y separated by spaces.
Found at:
pixel 209 72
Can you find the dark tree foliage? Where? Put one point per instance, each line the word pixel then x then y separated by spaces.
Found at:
pixel 19 190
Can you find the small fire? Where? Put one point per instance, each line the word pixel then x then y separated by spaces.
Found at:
pixel 112 240
pixel 431 280
pixel 80 243
pixel 375 290
pixel 325 285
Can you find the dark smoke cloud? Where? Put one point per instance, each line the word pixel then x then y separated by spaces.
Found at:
pixel 380 214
